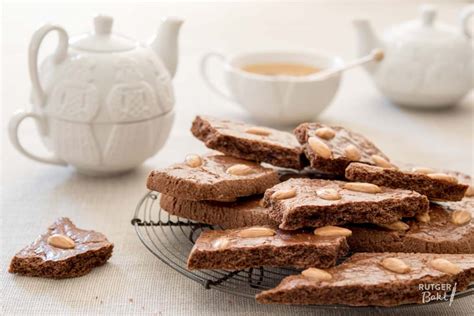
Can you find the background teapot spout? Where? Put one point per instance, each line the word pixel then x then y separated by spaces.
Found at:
pixel 366 40
pixel 165 44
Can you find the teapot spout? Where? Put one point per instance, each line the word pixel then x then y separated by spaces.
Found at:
pixel 366 40
pixel 165 43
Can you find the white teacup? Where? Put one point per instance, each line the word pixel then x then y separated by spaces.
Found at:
pixel 276 99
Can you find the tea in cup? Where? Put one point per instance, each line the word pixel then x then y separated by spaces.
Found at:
pixel 276 87
pixel 281 69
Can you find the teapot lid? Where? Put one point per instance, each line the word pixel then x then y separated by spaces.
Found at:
pixel 425 27
pixel 102 39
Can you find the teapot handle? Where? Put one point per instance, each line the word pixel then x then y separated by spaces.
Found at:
pixel 59 55
pixel 464 18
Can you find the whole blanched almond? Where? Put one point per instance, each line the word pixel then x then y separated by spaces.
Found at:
pixel 319 147
pixel 284 194
pixel 325 133
pixel 193 160
pixel 256 231
pixel 61 241
pixel 395 265
pixel 362 187
pixel 443 176
pixel 240 170
pixel 381 161
pixel 316 274
pixel 422 170
pixel 328 194
pixel 445 266
pixel 332 231
pixel 461 217
pixel 397 226
pixel 352 152
pixel 469 191
pixel 261 131
pixel 220 243
pixel 423 217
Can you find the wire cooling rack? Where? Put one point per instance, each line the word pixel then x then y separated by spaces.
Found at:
pixel 170 239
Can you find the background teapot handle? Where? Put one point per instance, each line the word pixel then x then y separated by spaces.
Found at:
pixel 464 18
pixel 59 55
pixel 13 126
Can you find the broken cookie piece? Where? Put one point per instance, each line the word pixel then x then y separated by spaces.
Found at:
pixel 257 246
pixel 64 251
pixel 376 279
pixel 241 213
pixel 250 142
pixel 436 185
pixel 214 177
pixel 298 203
pixel 446 228
pixel 331 148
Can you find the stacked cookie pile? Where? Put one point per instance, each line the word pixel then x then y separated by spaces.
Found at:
pixel 308 199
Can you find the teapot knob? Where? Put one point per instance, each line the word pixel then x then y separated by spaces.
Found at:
pixel 428 14
pixel 103 24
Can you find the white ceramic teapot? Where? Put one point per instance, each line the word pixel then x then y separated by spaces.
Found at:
pixel 103 103
pixel 426 64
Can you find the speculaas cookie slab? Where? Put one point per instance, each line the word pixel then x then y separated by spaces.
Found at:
pixel 257 246
pixel 250 142
pixel 446 228
pixel 241 213
pixel 331 148
pixel 213 177
pixel 64 251
pixel 436 185
pixel 378 279
pixel 299 203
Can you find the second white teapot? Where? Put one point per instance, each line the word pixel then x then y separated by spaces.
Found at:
pixel 426 64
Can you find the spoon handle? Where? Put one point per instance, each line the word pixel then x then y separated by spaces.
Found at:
pixel 375 55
